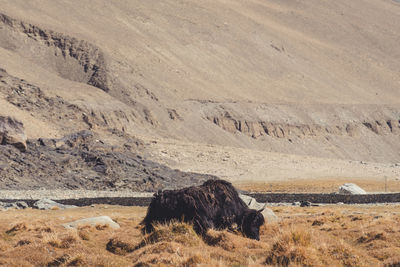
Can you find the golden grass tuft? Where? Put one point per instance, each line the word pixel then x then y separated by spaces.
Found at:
pixel 101 227
pixel 120 247
pixel 371 236
pixel 23 242
pixel 316 236
pixel 84 234
pixel 174 231
pixel 293 247
pixel 20 227
pixel 61 241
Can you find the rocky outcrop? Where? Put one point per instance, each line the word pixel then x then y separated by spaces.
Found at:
pixel 12 133
pixel 31 98
pixel 28 97
pixel 88 56
pixel 256 129
pixel 83 160
pixel 351 189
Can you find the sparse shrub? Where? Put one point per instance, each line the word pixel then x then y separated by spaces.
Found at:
pixel 65 241
pixel 17 228
pixel 393 262
pixel 22 242
pixel 219 238
pixel 119 247
pixel 347 256
pixel 179 232
pixel 84 234
pixel 317 223
pixel 59 261
pixel 102 226
pixel 369 237
pixel 293 247
pixel 194 260
pixel 77 260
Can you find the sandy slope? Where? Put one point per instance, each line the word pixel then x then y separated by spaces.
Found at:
pixel 291 51
pixel 311 78
pixel 245 166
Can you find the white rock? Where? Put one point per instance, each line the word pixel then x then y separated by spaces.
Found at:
pixel 269 216
pixel 47 204
pixel 246 199
pixel 92 221
pixel 351 189
pixel 252 203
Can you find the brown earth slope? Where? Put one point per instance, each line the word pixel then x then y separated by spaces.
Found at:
pixel 316 78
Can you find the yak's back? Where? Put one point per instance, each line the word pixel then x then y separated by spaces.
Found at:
pixel 224 194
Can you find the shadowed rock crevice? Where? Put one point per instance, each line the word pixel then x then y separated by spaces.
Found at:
pixel 12 133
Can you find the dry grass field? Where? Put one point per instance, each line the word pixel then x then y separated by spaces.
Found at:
pixel 316 236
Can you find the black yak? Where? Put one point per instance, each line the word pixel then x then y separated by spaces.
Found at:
pixel 215 204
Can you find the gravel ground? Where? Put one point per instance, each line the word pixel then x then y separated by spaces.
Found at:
pixel 68 194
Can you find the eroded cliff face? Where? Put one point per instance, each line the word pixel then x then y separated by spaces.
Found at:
pixel 201 72
pixel 359 132
pixel 73 59
pixel 257 129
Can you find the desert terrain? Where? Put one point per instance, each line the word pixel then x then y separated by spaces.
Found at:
pixel 306 86
pixel 114 97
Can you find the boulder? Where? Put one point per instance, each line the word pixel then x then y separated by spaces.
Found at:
pixel 351 189
pixel 12 133
pixel 47 204
pixel 252 203
pixel 102 220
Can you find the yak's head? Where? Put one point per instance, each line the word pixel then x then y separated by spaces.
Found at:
pixel 251 222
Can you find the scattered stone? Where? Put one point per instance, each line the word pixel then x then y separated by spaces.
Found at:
pixel 81 160
pixel 268 214
pixel 47 204
pixel 12 133
pixel 13 205
pixel 21 205
pixel 351 189
pixel 305 204
pixel 102 220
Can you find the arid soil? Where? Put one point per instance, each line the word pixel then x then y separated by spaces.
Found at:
pixel 265 171
pixel 248 91
pixel 313 78
pixel 315 236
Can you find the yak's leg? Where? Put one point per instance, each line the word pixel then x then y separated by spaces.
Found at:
pixel 202 225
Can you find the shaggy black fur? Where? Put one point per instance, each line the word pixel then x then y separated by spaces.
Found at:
pixel 215 204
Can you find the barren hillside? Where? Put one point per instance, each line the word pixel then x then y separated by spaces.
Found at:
pixel 315 78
